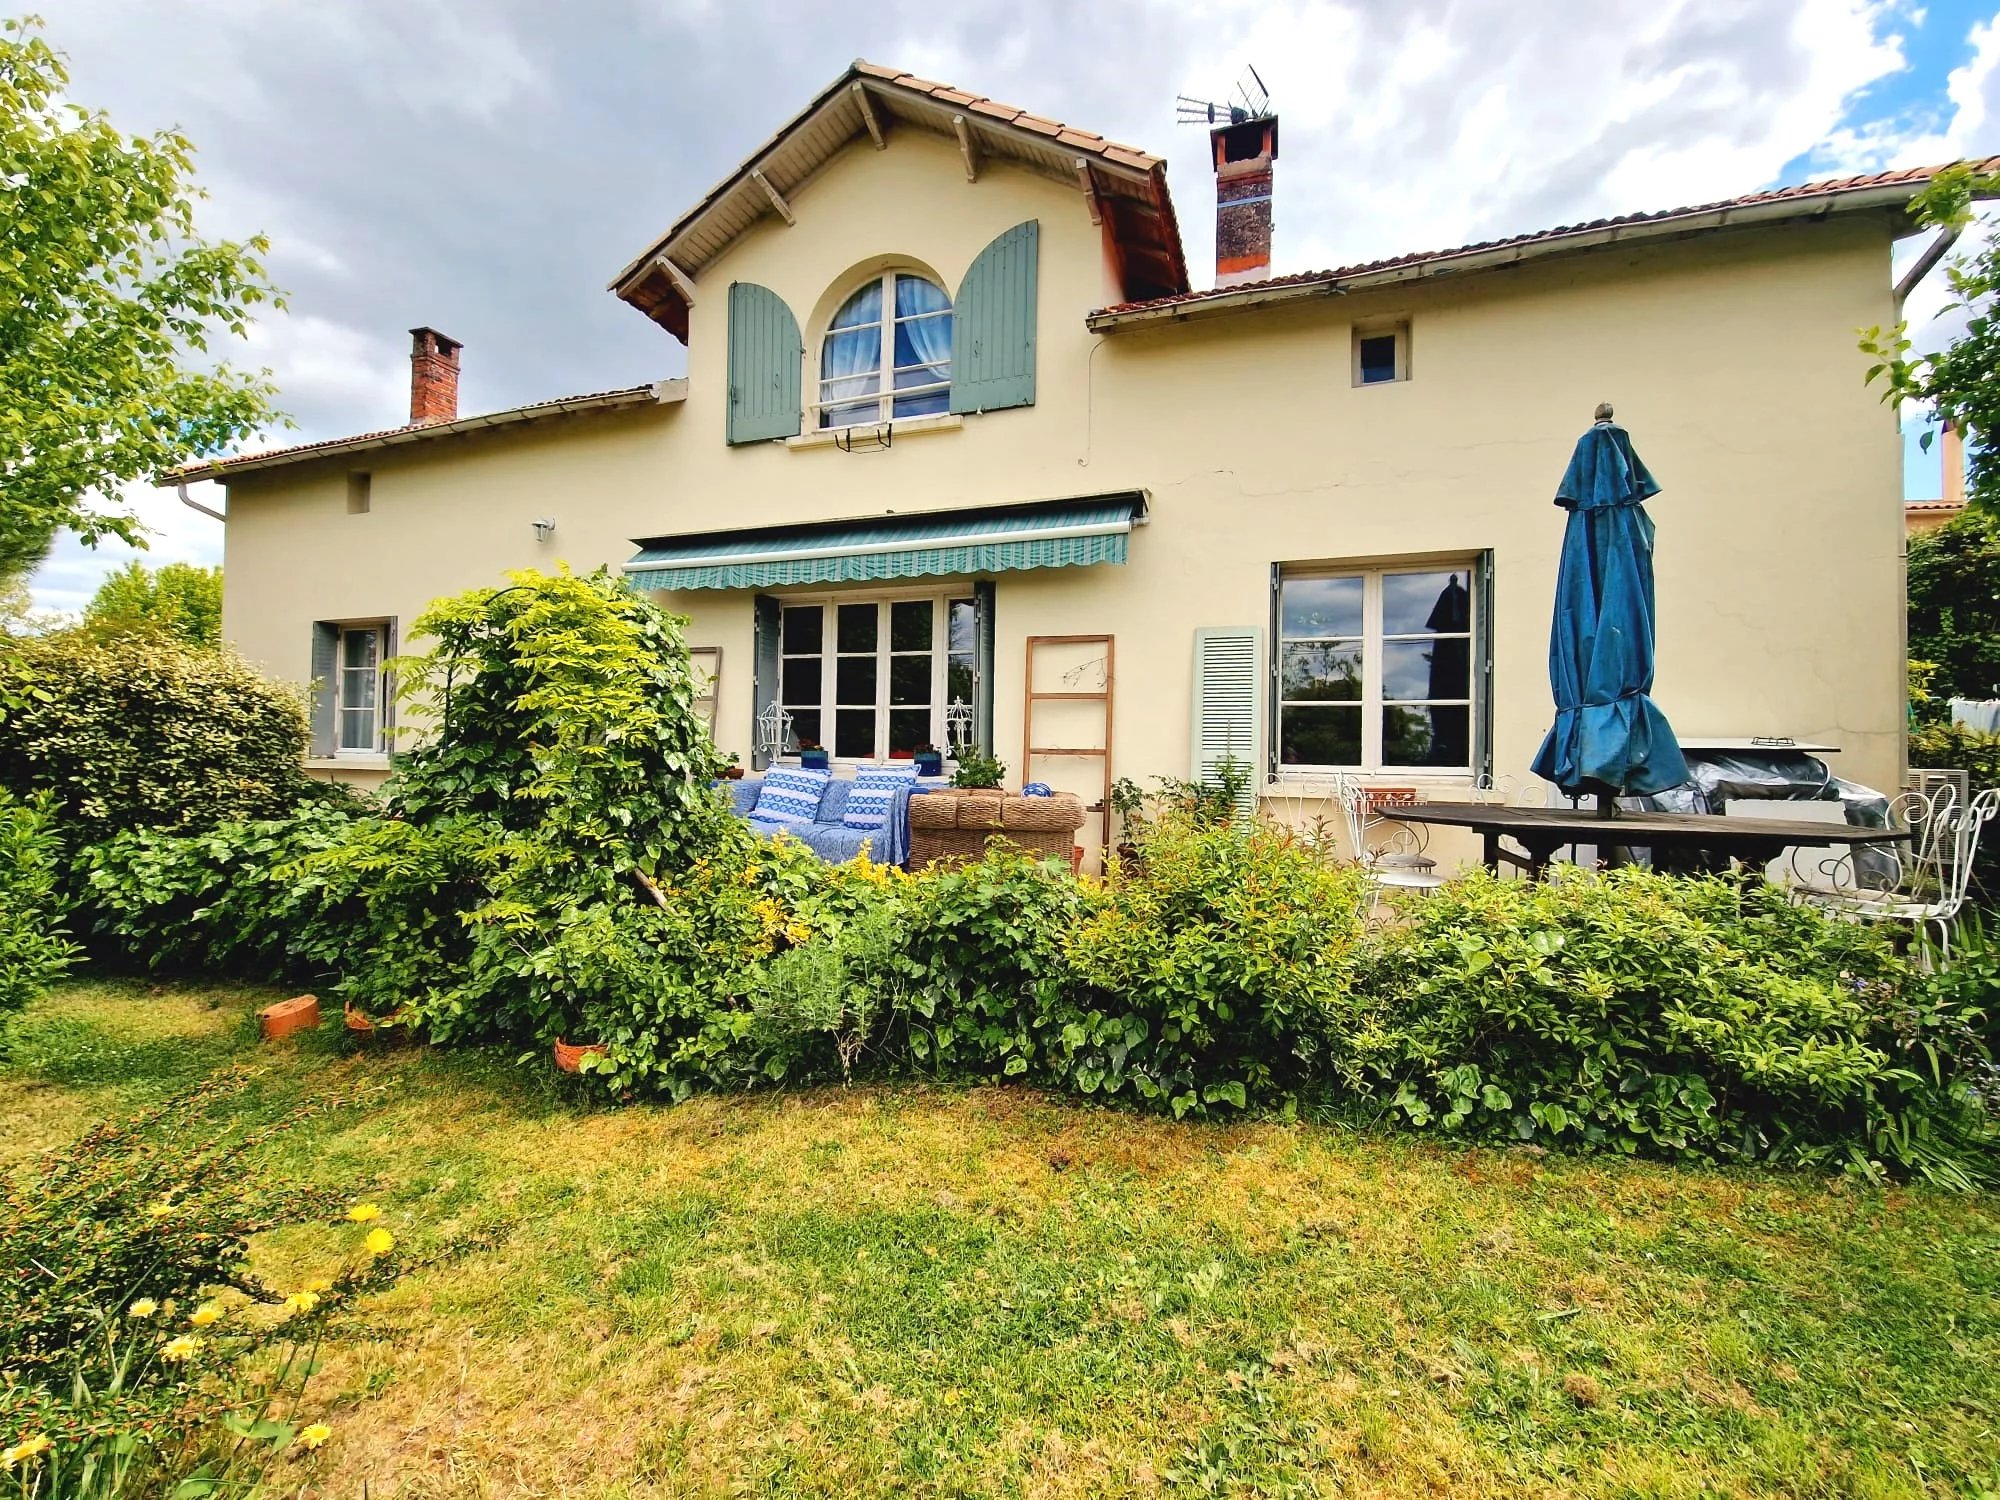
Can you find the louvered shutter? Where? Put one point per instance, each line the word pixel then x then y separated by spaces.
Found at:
pixel 1228 689
pixel 982 666
pixel 388 687
pixel 324 688
pixel 993 325
pixel 763 673
pixel 766 365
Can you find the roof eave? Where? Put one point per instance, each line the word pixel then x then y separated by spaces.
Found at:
pixel 1817 206
pixel 660 393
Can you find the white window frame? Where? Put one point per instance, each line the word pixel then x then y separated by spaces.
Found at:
pixel 886 398
pixel 1398 329
pixel 1373 639
pixel 377 741
pixel 829 654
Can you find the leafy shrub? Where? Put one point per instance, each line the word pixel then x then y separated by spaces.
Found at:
pixel 1211 973
pixel 976 770
pixel 148 733
pixel 1638 1012
pixel 127 1266
pixel 1954 608
pixel 33 949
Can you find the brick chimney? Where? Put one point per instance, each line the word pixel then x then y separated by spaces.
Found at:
pixel 1243 153
pixel 433 377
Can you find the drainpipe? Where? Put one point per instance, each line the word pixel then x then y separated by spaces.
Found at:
pixel 1926 263
pixel 193 504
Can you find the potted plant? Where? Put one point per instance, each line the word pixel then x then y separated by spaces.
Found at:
pixel 930 760
pixel 812 756
pixel 732 768
pixel 977 770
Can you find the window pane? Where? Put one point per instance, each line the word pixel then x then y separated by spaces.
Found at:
pixel 850 416
pixel 854 680
pixel 930 404
pixel 908 728
pixel 923 351
pixel 854 733
pixel 802 681
pixel 1427 669
pixel 803 627
pixel 916 295
pixel 850 388
pixel 1414 602
pixel 1321 606
pixel 910 679
pixel 805 727
pixel 357 648
pixel 357 729
pixel 857 627
pixel 962 626
pixel 1436 736
pixel 1320 736
pixel 1329 669
pixel 958 680
pixel 865 306
pixel 910 625
pixel 1378 359
pixel 357 689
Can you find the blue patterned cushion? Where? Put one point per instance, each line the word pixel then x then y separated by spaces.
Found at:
pixel 790 795
pixel 875 788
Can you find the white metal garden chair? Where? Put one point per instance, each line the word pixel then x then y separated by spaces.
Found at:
pixel 1930 874
pixel 1391 852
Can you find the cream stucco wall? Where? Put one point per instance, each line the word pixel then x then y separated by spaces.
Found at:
pixel 1730 357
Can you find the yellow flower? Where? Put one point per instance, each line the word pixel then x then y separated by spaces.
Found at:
pixel 145 1307
pixel 361 1213
pixel 27 1448
pixel 316 1434
pixel 207 1313
pixel 302 1301
pixel 159 1210
pixel 177 1349
pixel 379 1242
pixel 319 1284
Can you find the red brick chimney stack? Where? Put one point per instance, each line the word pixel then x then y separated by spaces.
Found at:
pixel 433 377
pixel 1243 156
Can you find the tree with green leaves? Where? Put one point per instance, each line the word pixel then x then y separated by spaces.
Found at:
pixel 1959 384
pixel 109 300
pixel 181 600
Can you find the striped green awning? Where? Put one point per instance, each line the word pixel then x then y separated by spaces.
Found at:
pixel 1062 534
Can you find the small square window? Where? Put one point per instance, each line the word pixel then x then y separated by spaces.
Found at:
pixel 1381 355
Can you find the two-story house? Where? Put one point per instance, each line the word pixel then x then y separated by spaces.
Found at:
pixel 950 393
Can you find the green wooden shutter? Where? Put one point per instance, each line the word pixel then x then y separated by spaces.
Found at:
pixel 387 687
pixel 1228 692
pixel 982 666
pixel 763 672
pixel 1482 679
pixel 766 365
pixel 993 325
pixel 324 688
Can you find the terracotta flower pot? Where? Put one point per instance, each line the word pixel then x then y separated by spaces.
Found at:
pixel 570 1055
pixel 362 1024
pixel 287 1017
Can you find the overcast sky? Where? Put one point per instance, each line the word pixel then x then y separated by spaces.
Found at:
pixel 486 165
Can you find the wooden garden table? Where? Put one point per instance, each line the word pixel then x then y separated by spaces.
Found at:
pixel 1714 841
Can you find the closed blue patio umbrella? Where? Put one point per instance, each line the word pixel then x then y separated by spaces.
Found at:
pixel 1609 738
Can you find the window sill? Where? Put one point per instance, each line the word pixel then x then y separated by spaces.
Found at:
pixel 1447 786
pixel 827 437
pixel 347 763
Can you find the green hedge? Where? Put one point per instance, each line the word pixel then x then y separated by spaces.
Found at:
pixel 33 948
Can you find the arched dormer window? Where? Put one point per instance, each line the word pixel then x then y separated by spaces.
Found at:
pixel 912 343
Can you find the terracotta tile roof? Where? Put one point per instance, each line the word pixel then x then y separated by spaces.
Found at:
pixel 1910 177
pixel 1069 135
pixel 209 468
pixel 1933 505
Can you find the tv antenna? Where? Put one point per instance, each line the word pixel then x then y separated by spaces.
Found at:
pixel 1251 101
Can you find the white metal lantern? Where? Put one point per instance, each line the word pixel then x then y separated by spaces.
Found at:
pixel 958 726
pixel 774 732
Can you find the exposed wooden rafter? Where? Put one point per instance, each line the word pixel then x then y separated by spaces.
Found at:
pixel 967 146
pixel 682 283
pixel 868 115
pixel 1089 186
pixel 777 199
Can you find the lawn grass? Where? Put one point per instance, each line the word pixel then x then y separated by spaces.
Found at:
pixel 943 1291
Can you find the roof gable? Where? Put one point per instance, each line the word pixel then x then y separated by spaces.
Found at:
pixel 1124 188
